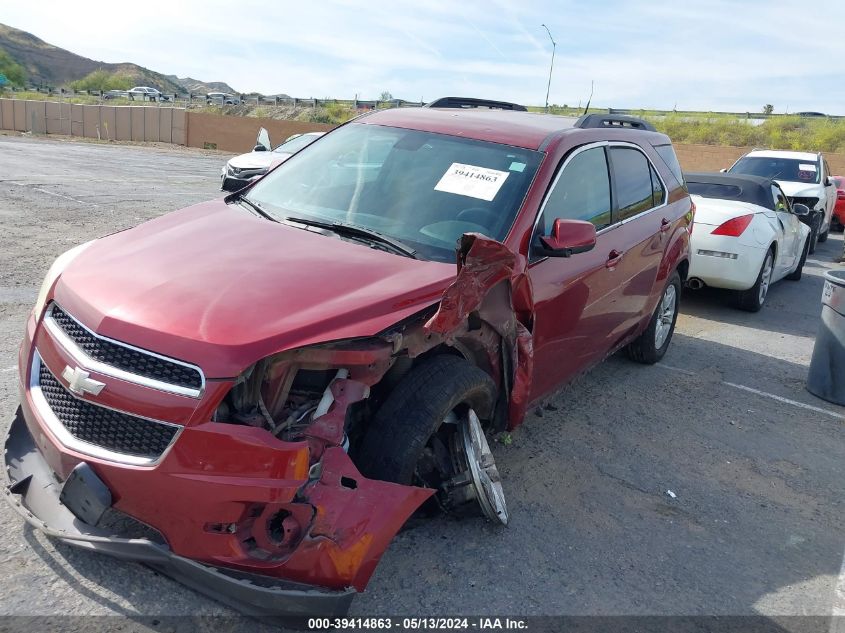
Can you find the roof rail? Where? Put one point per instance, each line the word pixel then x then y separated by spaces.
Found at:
pixel 613 120
pixel 470 102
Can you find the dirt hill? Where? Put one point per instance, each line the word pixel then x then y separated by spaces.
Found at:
pixel 53 66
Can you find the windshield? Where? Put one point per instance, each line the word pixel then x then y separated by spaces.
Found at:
pixel 790 169
pixel 295 144
pixel 421 188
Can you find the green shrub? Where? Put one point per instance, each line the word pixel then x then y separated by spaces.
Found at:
pixel 102 80
pixel 777 132
pixel 12 70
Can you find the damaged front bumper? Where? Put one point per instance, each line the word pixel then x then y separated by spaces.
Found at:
pixel 341 545
pixel 34 492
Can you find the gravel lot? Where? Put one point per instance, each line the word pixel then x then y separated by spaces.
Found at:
pixel 755 528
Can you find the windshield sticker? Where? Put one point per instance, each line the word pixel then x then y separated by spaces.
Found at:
pixel 520 167
pixel 472 181
pixel 806 167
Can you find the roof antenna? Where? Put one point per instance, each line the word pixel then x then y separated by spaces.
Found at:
pixel 591 97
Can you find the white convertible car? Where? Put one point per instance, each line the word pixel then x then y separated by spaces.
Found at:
pixel 746 235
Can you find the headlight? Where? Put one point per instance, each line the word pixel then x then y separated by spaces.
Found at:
pixel 53 273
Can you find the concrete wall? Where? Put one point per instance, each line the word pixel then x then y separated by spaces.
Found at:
pixel 237 134
pixel 116 123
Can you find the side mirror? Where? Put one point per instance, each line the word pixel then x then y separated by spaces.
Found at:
pixel 723 170
pixel 828 181
pixel 259 148
pixel 569 237
pixel 801 210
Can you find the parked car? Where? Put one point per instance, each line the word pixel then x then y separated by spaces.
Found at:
pixel 116 94
pixel 746 235
pixel 803 176
pixel 839 208
pixel 221 98
pixel 275 380
pixel 241 170
pixel 144 93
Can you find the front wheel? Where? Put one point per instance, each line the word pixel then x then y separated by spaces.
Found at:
pixel 652 344
pixel 752 300
pixel 428 433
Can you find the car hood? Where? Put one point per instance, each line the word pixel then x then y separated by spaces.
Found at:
pixel 257 160
pixel 219 287
pixel 800 189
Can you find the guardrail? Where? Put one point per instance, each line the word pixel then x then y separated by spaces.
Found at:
pixel 202 99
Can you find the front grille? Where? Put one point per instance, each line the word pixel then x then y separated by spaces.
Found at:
pixel 111 430
pixel 126 358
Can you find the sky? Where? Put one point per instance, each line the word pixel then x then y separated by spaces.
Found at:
pixel 686 55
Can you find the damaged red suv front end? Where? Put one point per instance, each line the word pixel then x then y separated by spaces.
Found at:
pixel 260 390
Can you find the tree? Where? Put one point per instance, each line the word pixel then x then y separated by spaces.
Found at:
pixel 768 108
pixel 102 80
pixel 386 96
pixel 12 70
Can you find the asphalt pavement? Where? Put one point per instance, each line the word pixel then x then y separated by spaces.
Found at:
pixel 754 463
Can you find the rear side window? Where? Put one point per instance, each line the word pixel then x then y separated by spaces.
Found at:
pixel 667 153
pixel 632 175
pixel 657 190
pixel 582 192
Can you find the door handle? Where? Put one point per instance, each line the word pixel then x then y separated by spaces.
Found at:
pixel 613 258
pixel 665 225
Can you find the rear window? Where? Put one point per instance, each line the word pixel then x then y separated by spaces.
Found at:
pixel 711 190
pixel 838 181
pixel 667 153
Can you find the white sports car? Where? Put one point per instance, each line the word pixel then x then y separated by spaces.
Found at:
pixel 746 235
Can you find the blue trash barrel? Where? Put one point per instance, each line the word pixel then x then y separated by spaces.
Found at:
pixel 827 368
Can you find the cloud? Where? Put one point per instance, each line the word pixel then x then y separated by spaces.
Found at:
pixel 645 53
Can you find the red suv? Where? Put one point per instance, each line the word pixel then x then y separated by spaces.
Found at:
pixel 261 389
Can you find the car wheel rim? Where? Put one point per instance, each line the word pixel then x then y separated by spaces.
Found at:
pixel 475 476
pixel 765 277
pixel 665 315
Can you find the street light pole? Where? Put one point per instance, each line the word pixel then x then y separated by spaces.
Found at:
pixel 548 87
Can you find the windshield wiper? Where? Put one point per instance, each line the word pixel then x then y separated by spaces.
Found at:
pixel 353 230
pixel 255 207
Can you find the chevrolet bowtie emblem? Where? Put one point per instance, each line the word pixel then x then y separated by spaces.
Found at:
pixel 80 381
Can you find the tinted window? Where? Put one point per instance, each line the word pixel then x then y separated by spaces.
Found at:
pixel 713 190
pixel 656 189
pixel 632 175
pixel 582 192
pixel 780 199
pixel 667 153
pixel 791 169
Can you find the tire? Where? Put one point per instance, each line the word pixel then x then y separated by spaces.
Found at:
pixel 413 413
pixel 650 346
pixel 752 300
pixel 823 236
pixel 795 275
